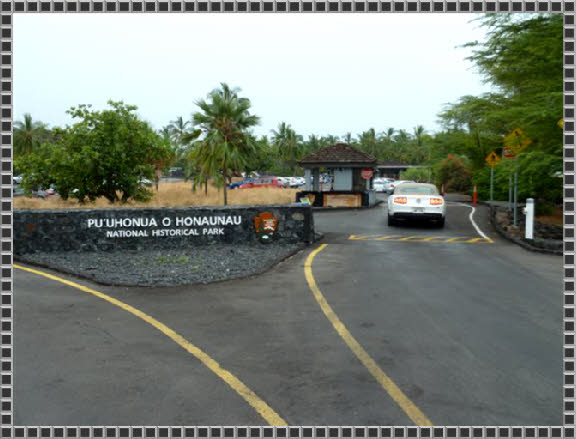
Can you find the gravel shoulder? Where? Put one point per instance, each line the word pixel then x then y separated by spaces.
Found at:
pixel 158 268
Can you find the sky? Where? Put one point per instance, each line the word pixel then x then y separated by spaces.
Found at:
pixel 321 73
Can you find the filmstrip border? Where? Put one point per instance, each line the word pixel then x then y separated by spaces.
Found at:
pixel 6 330
pixel 291 432
pixel 568 127
pixel 8 8
pixel 135 6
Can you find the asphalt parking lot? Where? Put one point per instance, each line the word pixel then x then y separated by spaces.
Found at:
pixel 466 329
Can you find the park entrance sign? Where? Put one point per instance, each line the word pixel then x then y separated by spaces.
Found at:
pixel 158 228
pixel 142 227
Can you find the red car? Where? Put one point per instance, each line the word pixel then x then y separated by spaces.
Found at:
pixel 262 182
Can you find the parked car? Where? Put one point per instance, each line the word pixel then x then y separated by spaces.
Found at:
pixel 17 179
pixel 380 184
pixel 263 182
pixel 18 192
pixel 297 181
pixel 237 184
pixel 284 181
pixel 416 201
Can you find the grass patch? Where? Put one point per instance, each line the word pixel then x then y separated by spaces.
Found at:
pixel 173 194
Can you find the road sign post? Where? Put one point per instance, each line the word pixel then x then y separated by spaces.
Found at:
pixel 492 159
pixel 515 198
pixel 491 184
pixel 510 193
pixel 514 144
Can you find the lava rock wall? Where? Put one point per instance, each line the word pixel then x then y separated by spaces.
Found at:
pixel 154 228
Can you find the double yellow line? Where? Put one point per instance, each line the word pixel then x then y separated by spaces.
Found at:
pixel 413 412
pixel 249 396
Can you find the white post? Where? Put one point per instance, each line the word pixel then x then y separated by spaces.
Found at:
pixel 530 218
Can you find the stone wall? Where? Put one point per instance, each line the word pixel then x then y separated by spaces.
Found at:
pixel 548 238
pixel 153 228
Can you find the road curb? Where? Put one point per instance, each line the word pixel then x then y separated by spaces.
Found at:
pixel 520 241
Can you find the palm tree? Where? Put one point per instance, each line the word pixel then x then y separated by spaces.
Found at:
pixel 368 142
pixel 348 138
pixel 288 145
pixel 178 129
pixel 28 134
pixel 389 133
pixel 181 136
pixel 224 119
pixel 419 133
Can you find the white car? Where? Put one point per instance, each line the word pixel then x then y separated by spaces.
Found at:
pixel 380 184
pixel 389 188
pixel 297 181
pixel 284 181
pixel 416 201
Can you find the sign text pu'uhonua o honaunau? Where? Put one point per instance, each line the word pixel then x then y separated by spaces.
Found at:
pixel 143 227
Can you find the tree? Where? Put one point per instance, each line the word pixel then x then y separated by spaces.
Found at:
pixel 454 174
pixel 415 174
pixel 180 136
pixel 367 142
pixel 522 59
pixel 28 135
pixel 288 146
pixel 105 154
pixel 224 118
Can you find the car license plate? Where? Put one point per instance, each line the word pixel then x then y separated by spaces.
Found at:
pixel 418 210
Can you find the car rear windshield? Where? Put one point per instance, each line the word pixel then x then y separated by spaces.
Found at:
pixel 415 190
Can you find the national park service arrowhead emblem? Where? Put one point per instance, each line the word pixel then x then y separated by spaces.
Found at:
pixel 266 225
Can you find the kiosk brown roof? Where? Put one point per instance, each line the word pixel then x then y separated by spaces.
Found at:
pixel 339 153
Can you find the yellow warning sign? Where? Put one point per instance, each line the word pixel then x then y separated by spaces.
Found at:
pixel 561 123
pixel 516 141
pixel 492 159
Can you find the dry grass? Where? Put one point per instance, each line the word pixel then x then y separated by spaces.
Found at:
pixel 173 195
pixel 555 218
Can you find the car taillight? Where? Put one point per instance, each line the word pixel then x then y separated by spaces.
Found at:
pixel 400 200
pixel 436 201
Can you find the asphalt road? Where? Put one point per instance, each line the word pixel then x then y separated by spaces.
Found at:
pixel 470 332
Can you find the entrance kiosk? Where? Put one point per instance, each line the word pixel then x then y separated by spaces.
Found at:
pixel 336 177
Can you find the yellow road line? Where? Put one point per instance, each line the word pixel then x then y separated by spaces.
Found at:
pixel 389 386
pixel 455 239
pixel 363 237
pixel 388 238
pixel 249 396
pixel 435 239
pixel 488 240
pixel 418 238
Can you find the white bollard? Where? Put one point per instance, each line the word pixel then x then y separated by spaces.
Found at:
pixel 530 218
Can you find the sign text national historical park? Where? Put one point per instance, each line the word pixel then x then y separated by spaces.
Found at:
pixel 144 227
pixel 162 228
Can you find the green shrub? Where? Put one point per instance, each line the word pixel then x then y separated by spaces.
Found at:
pixel 454 174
